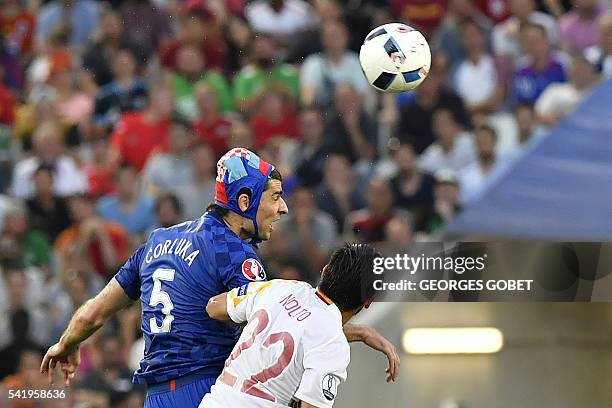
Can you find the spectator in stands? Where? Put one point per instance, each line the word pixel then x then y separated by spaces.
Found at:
pixel 527 129
pixel 478 67
pixel 47 212
pixel 338 194
pixel 100 168
pixel 412 189
pixel 263 70
pixel 168 210
pixel 82 16
pixel 30 247
pixel 447 202
pixel 21 341
pixel 48 149
pixel 453 149
pixel 166 170
pixel 7 120
pixel 539 69
pixel 447 38
pixel 17 23
pixel 138 134
pixel 211 127
pixel 559 99
pixel 310 157
pixel 350 130
pixel 99 56
pixel 110 381
pixel 601 55
pixel 424 15
pixel 147 26
pixel 90 244
pixel 126 92
pixel 322 72
pixel 473 179
pixel 278 258
pixel 506 35
pixel 7 103
pixel 274 117
pixel 311 232
pixel 28 376
pixel 131 209
pixel 399 237
pixel 368 224
pixel 578 29
pixel 200 191
pixel 285 20
pixel 199 29
pixel 74 106
pixel 189 73
pixel 415 126
pixel 241 135
pixel 23 292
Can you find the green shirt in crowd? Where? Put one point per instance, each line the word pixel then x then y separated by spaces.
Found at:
pixel 36 249
pixel 184 94
pixel 249 81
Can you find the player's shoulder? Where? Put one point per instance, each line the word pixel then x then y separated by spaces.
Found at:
pixel 325 321
pixel 229 251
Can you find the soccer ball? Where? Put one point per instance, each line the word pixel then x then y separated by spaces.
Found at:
pixel 395 57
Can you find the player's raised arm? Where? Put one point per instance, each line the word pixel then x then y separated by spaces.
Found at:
pixel 87 319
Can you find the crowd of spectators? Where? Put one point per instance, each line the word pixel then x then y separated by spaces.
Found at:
pixel 113 115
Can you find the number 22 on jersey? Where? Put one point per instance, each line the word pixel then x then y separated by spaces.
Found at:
pixel 260 320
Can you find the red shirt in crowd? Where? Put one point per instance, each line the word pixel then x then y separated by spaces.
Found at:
pixel 100 179
pixel 215 134
pixel 17 31
pixel 7 106
pixel 424 15
pixel 119 239
pixel 496 10
pixel 135 138
pixel 213 51
pixel 264 129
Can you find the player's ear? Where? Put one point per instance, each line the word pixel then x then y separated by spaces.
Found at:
pixel 243 201
pixel 325 269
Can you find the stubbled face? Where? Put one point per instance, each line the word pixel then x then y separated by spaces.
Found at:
pixel 271 207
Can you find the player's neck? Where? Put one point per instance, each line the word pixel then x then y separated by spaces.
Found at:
pixel 346 316
pixel 235 222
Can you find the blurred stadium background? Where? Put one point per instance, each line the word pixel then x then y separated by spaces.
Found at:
pixel 113 114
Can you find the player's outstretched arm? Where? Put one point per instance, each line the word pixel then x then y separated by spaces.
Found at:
pixel 377 341
pixel 86 320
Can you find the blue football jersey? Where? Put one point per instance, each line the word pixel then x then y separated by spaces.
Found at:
pixel 174 274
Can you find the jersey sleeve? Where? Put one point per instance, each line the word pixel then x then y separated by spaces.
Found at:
pixel 324 369
pixel 241 300
pixel 129 274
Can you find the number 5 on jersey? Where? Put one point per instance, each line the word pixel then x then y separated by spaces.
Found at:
pixel 159 296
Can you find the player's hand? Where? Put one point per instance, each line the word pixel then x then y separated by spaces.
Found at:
pixel 378 342
pixel 69 361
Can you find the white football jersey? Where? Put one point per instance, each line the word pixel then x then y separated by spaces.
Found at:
pixel 292 349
